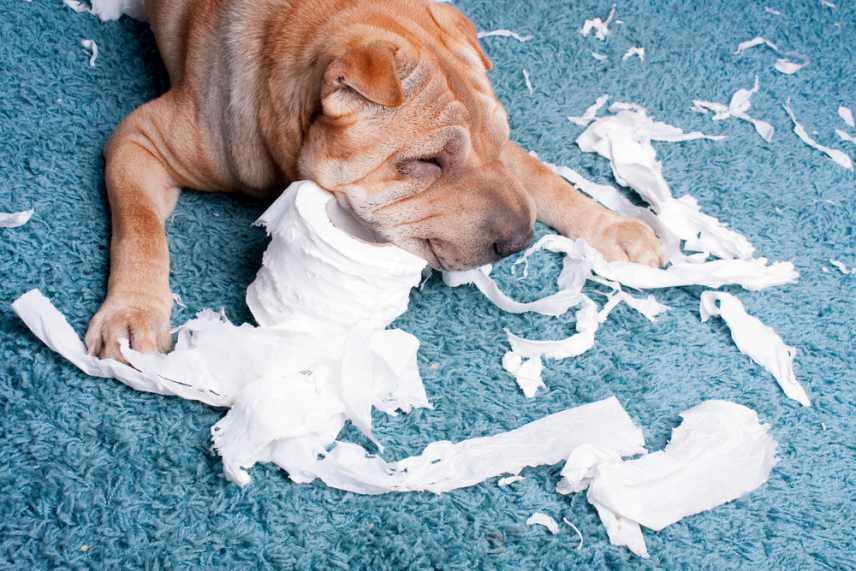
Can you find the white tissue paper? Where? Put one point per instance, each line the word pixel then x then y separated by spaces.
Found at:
pixel 321 357
pixel 504 34
pixel 542 519
pixel 740 103
pixel 844 136
pixel 15 219
pixel 720 452
pixel 839 157
pixel 92 49
pixel 636 51
pixel 782 65
pixel 847 116
pixel 841 267
pixel 508 480
pixel 600 28
pixel 760 342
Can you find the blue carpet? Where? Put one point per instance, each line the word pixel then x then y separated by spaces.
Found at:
pixel 89 462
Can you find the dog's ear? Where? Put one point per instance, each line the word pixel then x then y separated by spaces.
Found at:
pixel 369 70
pixel 453 23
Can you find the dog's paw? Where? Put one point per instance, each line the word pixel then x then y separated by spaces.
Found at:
pixel 629 241
pixel 142 320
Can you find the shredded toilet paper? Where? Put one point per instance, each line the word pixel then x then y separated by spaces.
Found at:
pixel 508 480
pixel 839 157
pixel 740 103
pixel 847 116
pixel 542 519
pixel 590 113
pixel 782 65
pixel 15 219
pixel 92 49
pixel 720 452
pixel 759 341
pixel 600 28
pixel 844 136
pixel 635 51
pixel 504 34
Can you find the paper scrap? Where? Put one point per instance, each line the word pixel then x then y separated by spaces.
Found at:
pixel 839 157
pixel 529 87
pixel 637 51
pixel 719 453
pixel 847 116
pixel 599 56
pixel 78 7
pixel 772 11
pixel 738 107
pixel 508 480
pixel 782 65
pixel 15 219
pixel 578 532
pixel 542 519
pixel 760 342
pixel 841 267
pixel 590 113
pixel 504 34
pixel 844 136
pixel 828 4
pixel 92 49
pixel 600 28
pixel 527 372
pixel 445 466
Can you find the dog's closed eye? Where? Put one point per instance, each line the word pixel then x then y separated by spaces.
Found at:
pixel 426 167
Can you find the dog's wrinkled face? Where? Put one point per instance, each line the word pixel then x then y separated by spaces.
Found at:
pixel 409 140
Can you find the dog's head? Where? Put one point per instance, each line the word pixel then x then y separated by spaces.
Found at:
pixel 409 139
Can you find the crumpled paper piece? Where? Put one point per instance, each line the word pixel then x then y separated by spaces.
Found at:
pixel 527 372
pixel 738 107
pixel 92 49
pixel 542 519
pixel 847 116
pixel 108 10
pixel 720 452
pixel 590 113
pixel 782 65
pixel 635 51
pixel 600 27
pixel 15 219
pixel 839 157
pixel 759 341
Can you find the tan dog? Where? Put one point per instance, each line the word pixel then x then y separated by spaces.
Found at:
pixel 385 103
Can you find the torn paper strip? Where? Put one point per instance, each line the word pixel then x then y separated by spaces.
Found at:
pixel 839 157
pixel 108 10
pixel 528 81
pixel 590 113
pixel 599 56
pixel 92 49
pixel 719 453
pixel 577 531
pixel 844 136
pixel 772 11
pixel 504 34
pixel 542 519
pixel 847 116
pixel 840 266
pixel 759 341
pixel 600 28
pixel 738 108
pixel 15 219
pixel 636 51
pixel 76 6
pixel 445 466
pixel 783 65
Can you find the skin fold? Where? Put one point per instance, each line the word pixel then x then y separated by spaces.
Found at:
pixel 385 103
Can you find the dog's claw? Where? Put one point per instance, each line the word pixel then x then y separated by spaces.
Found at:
pixel 630 241
pixel 144 322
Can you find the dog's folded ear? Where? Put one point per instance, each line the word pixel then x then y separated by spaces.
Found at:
pixel 458 27
pixel 370 70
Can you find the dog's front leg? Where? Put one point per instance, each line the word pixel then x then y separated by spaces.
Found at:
pixel 562 207
pixel 142 193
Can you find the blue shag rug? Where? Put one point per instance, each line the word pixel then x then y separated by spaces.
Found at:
pixel 96 475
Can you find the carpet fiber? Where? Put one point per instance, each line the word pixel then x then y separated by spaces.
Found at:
pixel 94 474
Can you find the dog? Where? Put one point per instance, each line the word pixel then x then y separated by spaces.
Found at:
pixel 384 103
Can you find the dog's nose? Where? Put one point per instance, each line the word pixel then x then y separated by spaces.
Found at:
pixel 512 245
